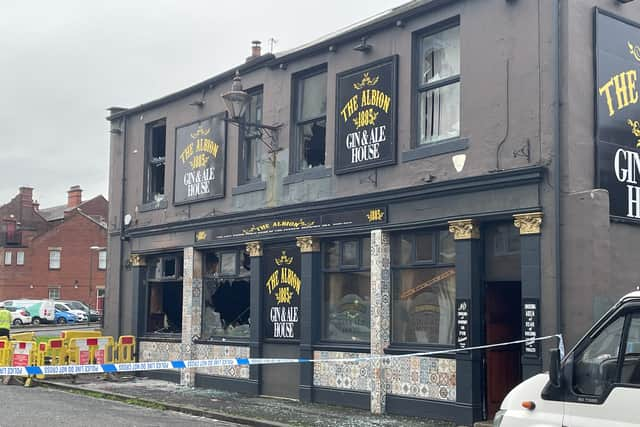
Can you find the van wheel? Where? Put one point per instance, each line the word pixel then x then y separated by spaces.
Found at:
pixel 61 320
pixel 35 320
pixel 17 322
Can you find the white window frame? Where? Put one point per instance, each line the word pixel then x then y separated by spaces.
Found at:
pixel 102 259
pixel 7 257
pixel 20 258
pixel 57 292
pixel 53 263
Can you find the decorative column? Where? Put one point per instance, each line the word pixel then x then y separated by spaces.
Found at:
pixel 138 291
pixel 380 316
pixel 530 272
pixel 469 318
pixel 256 312
pixel 310 316
pixel 191 310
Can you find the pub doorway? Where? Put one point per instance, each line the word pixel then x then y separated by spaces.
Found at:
pixel 502 315
pixel 502 322
pixel 281 303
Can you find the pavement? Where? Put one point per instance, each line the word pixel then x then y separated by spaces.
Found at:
pixel 227 406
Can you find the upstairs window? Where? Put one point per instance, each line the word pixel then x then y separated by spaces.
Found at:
pixel 19 258
pixel 310 117
pixel 7 258
pixel 155 149
pixel 438 85
pixel 251 145
pixel 102 260
pixel 54 259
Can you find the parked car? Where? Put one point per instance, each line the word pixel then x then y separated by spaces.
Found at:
pixel 42 310
pixel 19 316
pixel 63 317
pixel 94 315
pixel 81 315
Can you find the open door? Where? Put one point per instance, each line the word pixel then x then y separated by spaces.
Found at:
pixel 502 320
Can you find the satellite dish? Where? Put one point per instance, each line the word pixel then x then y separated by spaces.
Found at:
pixel 127 219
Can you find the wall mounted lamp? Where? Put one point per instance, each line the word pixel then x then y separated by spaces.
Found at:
pixel 236 100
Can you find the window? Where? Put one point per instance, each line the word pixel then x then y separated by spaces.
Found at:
pixel 346 297
pixel 54 293
pixel 227 285
pixel 54 259
pixel 19 258
pixel 252 147
pixel 102 260
pixel 155 148
pixel 631 362
pixel 423 287
pixel 438 85
pixel 164 294
pixel 7 258
pixel 310 118
pixel 596 367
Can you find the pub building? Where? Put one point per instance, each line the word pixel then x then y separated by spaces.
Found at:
pixel 445 175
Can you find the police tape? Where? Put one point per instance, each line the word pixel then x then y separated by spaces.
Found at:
pixel 212 363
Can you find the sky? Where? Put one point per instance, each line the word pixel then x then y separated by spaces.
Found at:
pixel 64 62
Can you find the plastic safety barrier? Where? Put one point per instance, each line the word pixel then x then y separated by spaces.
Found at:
pixel 126 349
pixel 53 353
pixel 87 351
pixel 5 353
pixel 23 336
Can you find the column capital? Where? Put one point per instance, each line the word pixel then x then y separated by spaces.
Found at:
pixel 528 223
pixel 308 244
pixel 464 229
pixel 254 248
pixel 137 260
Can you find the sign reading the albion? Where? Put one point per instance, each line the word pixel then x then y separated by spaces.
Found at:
pixel 282 295
pixel 366 116
pixel 200 160
pixel 618 113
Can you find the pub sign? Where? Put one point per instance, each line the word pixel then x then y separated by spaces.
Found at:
pixel 366 116
pixel 282 293
pixel 200 160
pixel 617 51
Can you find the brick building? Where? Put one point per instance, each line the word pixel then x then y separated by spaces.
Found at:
pixel 58 252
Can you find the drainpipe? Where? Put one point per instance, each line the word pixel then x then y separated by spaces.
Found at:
pixel 122 236
pixel 556 166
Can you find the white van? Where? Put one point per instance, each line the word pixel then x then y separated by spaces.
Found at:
pixel 596 384
pixel 42 310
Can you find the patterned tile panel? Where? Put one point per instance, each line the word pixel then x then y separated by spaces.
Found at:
pixel 152 351
pixel 354 376
pixel 421 377
pixel 205 351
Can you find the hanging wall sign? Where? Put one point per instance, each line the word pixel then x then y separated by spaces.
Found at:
pixel 282 294
pixel 366 116
pixel 617 50
pixel 200 160
pixel 462 323
pixel 531 324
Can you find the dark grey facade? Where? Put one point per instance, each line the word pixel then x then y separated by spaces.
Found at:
pixel 504 229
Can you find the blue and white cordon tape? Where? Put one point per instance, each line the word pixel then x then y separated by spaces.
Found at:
pixel 208 363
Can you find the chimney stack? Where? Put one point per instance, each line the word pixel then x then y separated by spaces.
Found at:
pixel 26 196
pixel 255 50
pixel 74 196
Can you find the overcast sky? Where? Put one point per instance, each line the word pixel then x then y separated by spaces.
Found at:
pixel 63 62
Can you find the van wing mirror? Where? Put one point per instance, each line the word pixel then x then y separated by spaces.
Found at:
pixel 554 367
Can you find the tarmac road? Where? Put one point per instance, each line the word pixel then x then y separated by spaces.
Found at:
pixel 38 406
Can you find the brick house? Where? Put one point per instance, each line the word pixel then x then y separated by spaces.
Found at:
pixel 58 252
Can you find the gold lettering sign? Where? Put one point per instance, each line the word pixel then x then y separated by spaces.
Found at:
pixel 283 278
pixel 375 215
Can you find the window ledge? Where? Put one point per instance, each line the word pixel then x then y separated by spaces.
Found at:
pixel 436 148
pixel 249 188
pixel 233 342
pixel 171 338
pixel 419 348
pixel 151 206
pixel 347 347
pixel 311 173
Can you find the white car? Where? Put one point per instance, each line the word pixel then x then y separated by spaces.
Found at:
pixel 19 316
pixel 597 384
pixel 81 315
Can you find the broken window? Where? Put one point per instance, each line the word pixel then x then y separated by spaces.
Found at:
pixel 164 294
pixel 155 155
pixel 310 120
pixel 227 285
